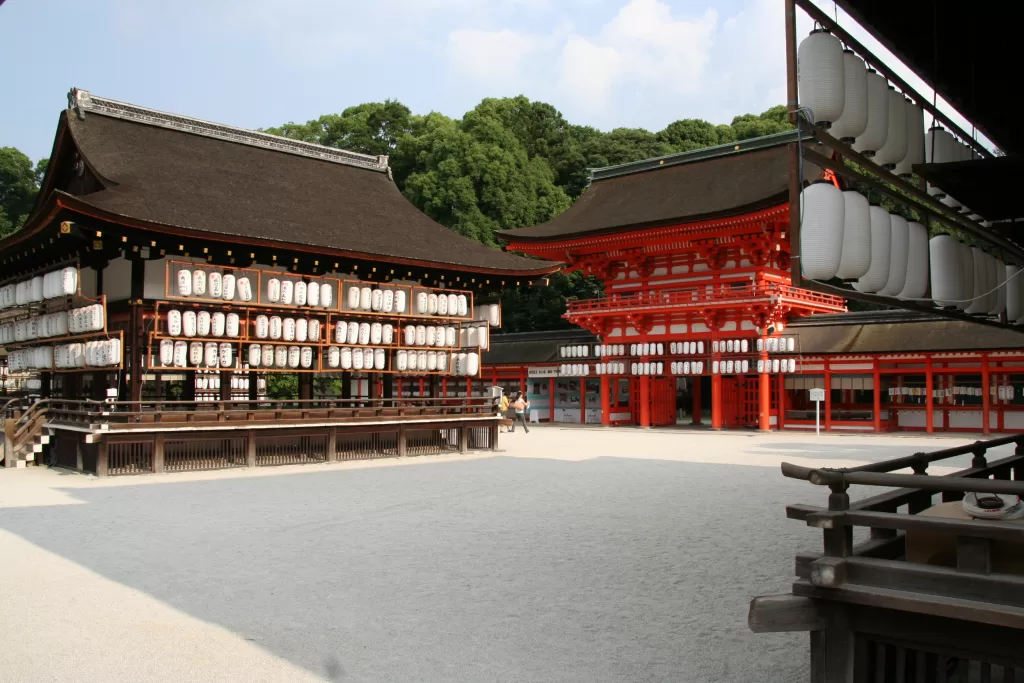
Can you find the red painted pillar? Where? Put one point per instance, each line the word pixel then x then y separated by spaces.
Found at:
pixel 645 401
pixel 985 400
pixel 929 399
pixel 606 401
pixel 828 398
pixel 551 399
pixel 583 400
pixel 782 402
pixel 877 393
pixel 764 403
pixel 697 407
pixel 716 393
pixel 522 379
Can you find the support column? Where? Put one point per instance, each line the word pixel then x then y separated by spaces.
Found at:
pixel 606 401
pixel 305 386
pixel 645 401
pixel 522 379
pixel 716 393
pixel 764 403
pixel 583 401
pixel 781 402
pixel 135 336
pixel 985 399
pixel 929 398
pixel 877 395
pixel 551 400
pixel 828 397
pixel 698 382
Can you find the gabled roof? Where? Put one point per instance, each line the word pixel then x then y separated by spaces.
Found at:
pixel 716 182
pixel 166 170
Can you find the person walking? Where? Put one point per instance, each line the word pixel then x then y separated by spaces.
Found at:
pixel 503 408
pixel 520 405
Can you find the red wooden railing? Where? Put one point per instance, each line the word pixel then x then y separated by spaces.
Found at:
pixel 703 297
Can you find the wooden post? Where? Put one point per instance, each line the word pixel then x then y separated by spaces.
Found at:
pixel 102 458
pixel 877 396
pixel 764 404
pixel 551 400
pixel 645 401
pixel 606 401
pixel 403 443
pixel 305 386
pixel 929 399
pixel 828 397
pixel 698 383
pixel 135 336
pixel 9 429
pixel 985 399
pixel 250 448
pixel 158 453
pixel 463 439
pixel 332 444
pixel 494 436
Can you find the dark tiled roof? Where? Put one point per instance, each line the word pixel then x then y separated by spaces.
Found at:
pixel 179 179
pixel 830 334
pixel 532 347
pixel 706 184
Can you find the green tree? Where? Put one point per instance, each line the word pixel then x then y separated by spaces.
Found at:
pixel 370 128
pixel 774 120
pixel 622 146
pixel 19 184
pixel 529 309
pixel 689 134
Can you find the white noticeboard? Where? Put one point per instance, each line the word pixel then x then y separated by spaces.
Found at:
pixel 817 395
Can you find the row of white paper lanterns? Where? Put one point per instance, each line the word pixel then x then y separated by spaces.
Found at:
pixel 216 324
pixel 57 324
pixel 687 348
pixel 882 253
pixel 860 108
pixel 741 367
pixel 212 382
pixel 100 353
pixel 225 286
pixel 777 344
pixel 181 354
pixel 52 285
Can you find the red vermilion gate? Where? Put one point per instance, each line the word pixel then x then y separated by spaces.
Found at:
pixel 739 402
pixel 663 401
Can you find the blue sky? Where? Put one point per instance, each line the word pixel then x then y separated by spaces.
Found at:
pixel 258 63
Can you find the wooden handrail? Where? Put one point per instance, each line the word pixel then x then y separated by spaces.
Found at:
pixel 840 478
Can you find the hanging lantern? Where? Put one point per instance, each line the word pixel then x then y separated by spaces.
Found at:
pixel 268 356
pixel 442 305
pixel 944 255
pixel 203 324
pixel 166 352
pixel 180 354
pixel 364 334
pixel 939 148
pixel 227 286
pixel 895 147
pixel 915 140
pixel 899 245
pixel 877 130
pixel 288 329
pixel 790 344
pixel 820 73
pixel 979 285
pixel 854 119
pixel 700 347
pixel 346 359
pixel 357 359
pixel 244 288
pixel 211 355
pixel 218 323
pixel 744 366
pixel 287 292
pixel 255 355
pixel 432 304
pixel 856 252
pixel 744 345
pixel 188 323
pixel 999 272
pixel 822 209
pixel 215 285
pixel 881 239
pixel 775 365
pixel 273 290
pixel 376 333
pixel 301 329
pixel 184 283
pixel 300 293
pixel 225 355
pixel 916 284
pixel 173 322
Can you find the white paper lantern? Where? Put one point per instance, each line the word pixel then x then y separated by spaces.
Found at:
pixel 218 324
pixel 166 352
pixel 916 284
pixel 276 327
pixel 775 365
pixel 432 304
pixel 421 359
pixel 273 290
pixel 899 246
pixel 364 333
pixel 402 358
pixel 379 359
pixel 387 333
pixel 255 355
pixel 760 366
pixel 188 323
pixel 68 281
pixel 211 355
pixel 854 119
pixel 400 300
pixel 262 327
pixel 744 345
pixel 353 333
pixel 294 356
pixel 333 357
pixel 327 294
pixel 422 300
pixel 226 355
pixel 288 329
pixel 452 304
pixel 184 282
pixel 791 362
pixel 312 294
pixel 915 139
pixel 287 292
pixel 173 322
pixel 346 358
pixel 463 305
pixel 215 284
pixel 822 219
pixel 821 76
pixel 744 366
pixel 729 367
pixel 790 344
pixel 450 336
pixel 227 287
pixel 181 354
pixel 244 289
pixel 421 335
pixel 877 130
pixel 881 248
pixel 306 357
pixel 353 298
pixel 410 335
pixel 895 147
pixel 203 324
pixel 301 330
pixel 232 326
pixel 494 315
pixel 268 356
pixel 313 330
pixel 855 259
pixel 442 305
pixel 376 333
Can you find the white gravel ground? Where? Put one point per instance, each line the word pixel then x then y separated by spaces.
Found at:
pixel 577 554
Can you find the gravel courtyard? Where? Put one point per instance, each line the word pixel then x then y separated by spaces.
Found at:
pixel 576 554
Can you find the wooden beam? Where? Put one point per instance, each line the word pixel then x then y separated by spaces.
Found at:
pixel 784 613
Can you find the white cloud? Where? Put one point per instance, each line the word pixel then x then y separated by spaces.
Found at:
pixel 490 56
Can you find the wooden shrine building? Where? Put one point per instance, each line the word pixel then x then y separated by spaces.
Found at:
pixel 171 265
